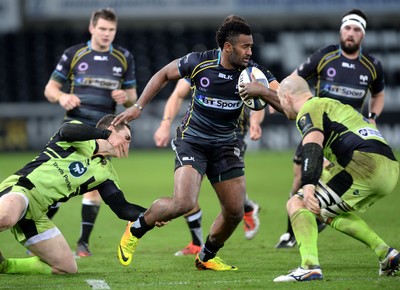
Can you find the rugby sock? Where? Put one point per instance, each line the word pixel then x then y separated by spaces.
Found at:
pixel 248 205
pixel 306 232
pixel 289 227
pixel 194 224
pixel 289 224
pixel 32 265
pixel 140 227
pixel 89 215
pixel 353 226
pixel 209 250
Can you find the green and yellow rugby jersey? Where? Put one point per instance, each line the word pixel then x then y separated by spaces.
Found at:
pixel 345 130
pixel 65 169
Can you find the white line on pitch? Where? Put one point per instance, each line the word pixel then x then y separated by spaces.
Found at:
pixel 97 284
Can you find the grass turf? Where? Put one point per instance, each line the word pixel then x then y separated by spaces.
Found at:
pixel 147 175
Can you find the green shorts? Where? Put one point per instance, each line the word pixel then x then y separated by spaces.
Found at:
pixel 34 226
pixel 367 178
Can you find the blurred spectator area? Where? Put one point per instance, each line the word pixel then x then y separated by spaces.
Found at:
pixel 28 57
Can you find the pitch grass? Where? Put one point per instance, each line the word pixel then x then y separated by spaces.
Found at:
pixel 147 175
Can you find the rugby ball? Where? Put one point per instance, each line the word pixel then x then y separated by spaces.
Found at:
pixel 256 103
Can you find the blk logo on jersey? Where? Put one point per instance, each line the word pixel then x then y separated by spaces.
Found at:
pixel 188 158
pixel 77 169
pixel 348 65
pixel 100 58
pixel 224 76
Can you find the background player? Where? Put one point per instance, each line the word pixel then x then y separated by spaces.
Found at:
pixel 100 76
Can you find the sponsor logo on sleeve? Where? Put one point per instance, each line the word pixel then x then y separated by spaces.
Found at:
pixel 367 133
pixel 305 123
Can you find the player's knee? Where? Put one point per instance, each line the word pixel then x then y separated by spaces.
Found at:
pixel 92 198
pixel 6 222
pixel 183 206
pixel 234 215
pixel 289 203
pixel 66 268
pixel 294 204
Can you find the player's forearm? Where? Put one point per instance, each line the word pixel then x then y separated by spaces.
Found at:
pixel 257 117
pixel 172 108
pixel 377 104
pixel 131 98
pixel 53 91
pixel 121 207
pixel 52 94
pixel 82 132
pixel 271 97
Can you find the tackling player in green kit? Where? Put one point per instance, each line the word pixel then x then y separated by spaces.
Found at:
pixel 362 170
pixel 73 162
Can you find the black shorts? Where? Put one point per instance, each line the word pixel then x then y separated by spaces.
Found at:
pixel 242 144
pixel 219 161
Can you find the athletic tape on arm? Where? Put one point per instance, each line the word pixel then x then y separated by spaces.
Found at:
pixel 311 163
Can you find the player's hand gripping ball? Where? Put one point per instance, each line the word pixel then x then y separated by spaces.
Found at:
pixel 256 103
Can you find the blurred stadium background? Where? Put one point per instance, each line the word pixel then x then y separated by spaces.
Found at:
pixel 34 33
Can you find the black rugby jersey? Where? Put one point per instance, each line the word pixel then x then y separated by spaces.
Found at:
pixel 215 107
pixel 92 76
pixel 343 79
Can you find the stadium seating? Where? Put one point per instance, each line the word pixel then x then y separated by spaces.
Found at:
pixel 28 57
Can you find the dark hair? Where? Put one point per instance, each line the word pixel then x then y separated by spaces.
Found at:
pixel 233 18
pixel 105 122
pixel 106 13
pixel 231 27
pixel 357 12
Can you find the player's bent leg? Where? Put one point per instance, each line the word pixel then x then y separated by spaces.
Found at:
pixel 231 194
pixel 56 252
pixel 53 256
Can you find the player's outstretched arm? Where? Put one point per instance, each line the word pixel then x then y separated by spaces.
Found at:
pixel 156 83
pixel 82 132
pixel 71 132
pixel 117 202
